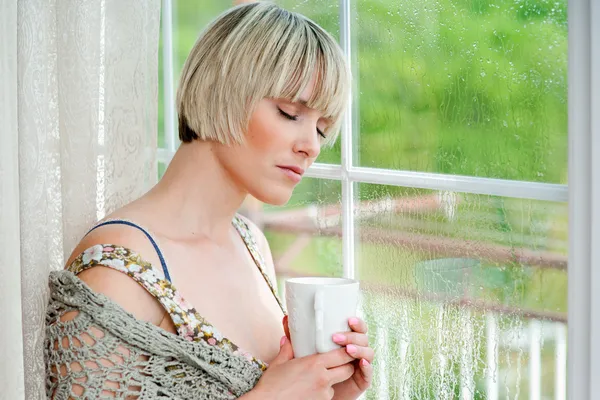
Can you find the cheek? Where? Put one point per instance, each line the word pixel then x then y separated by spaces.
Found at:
pixel 265 135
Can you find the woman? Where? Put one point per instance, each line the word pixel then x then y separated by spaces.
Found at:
pixel 261 91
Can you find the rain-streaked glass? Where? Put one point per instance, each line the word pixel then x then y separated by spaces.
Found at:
pixel 461 290
pixel 468 87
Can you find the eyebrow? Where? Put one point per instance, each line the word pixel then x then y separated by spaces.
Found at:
pixel 305 104
pixel 302 102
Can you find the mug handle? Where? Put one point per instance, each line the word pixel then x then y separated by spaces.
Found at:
pixel 319 339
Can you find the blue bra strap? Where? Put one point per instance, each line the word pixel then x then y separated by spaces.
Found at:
pixel 160 256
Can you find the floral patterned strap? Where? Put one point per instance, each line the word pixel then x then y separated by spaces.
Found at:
pixel 188 322
pixel 244 231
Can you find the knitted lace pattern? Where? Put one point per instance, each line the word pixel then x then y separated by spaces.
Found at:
pixel 105 352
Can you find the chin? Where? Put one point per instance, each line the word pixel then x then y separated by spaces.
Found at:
pixel 277 197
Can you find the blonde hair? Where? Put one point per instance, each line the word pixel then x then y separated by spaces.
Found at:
pixel 255 51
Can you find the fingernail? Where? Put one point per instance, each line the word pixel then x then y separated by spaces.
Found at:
pixel 282 341
pixel 351 349
pixel 338 338
pixel 353 321
pixel 364 363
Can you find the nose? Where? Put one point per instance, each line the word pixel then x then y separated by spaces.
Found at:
pixel 308 143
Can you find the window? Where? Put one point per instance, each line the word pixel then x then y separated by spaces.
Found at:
pixel 446 194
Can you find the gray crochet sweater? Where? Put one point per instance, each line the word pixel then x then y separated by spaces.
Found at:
pixel 108 353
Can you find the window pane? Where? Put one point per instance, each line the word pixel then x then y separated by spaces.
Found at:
pixel 460 287
pixel 469 87
pixel 294 231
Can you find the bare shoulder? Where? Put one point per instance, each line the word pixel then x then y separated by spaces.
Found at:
pixel 116 285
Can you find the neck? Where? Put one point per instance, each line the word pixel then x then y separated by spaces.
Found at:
pixel 196 194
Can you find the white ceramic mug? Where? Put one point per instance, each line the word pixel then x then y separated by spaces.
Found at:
pixel 318 308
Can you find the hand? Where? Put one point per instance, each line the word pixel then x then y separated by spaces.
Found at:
pixel 311 377
pixel 357 346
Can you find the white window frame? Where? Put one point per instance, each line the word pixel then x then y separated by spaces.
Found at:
pixel 583 358
pixel 582 193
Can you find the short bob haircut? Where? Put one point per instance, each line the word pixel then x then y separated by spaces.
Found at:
pixel 255 51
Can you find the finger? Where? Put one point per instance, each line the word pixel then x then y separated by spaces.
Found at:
pixel 344 338
pixel 340 374
pixel 286 327
pixel 335 358
pixel 366 371
pixel 286 353
pixel 359 352
pixel 358 325
pixel 330 393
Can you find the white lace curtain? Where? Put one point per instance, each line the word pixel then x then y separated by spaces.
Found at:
pixel 78 105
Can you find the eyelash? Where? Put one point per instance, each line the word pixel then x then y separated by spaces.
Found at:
pixel 295 118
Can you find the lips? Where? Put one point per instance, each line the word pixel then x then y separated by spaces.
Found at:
pixel 294 168
pixel 292 172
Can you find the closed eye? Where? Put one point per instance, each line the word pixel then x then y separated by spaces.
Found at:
pixel 288 116
pixel 295 118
